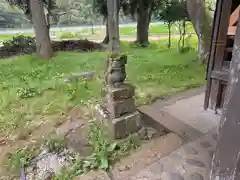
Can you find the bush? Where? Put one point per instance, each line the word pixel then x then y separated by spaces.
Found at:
pixel 76 45
pixel 18 45
pixel 27 45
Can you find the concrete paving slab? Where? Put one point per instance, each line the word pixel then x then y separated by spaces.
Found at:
pixel 190 111
pixel 190 162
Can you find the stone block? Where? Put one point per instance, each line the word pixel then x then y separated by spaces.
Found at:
pixel 125 125
pixel 120 107
pixel 125 91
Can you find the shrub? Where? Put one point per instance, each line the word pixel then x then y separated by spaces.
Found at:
pixel 18 45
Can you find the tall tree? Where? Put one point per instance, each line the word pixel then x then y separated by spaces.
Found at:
pixel 113 25
pixel 34 10
pixel 172 11
pixel 101 8
pixel 142 10
pixel 41 27
pixel 144 13
pixel 201 18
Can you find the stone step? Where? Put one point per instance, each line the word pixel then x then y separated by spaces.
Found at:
pixel 190 111
pixel 190 162
pixel 183 116
pixel 149 153
pixel 159 117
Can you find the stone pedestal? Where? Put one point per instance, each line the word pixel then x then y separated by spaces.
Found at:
pixel 118 110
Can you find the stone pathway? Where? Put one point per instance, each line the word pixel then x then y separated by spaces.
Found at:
pixel 190 162
pixel 185 117
pixel 197 128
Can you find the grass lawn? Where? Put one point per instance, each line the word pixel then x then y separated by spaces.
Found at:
pixel 155 29
pixel 159 29
pixel 33 90
pixel 7 37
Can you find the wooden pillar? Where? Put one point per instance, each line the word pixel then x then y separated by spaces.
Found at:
pixel 113 25
pixel 226 160
pixel 219 41
pixel 215 28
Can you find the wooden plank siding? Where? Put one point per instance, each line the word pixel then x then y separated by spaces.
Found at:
pixel 217 52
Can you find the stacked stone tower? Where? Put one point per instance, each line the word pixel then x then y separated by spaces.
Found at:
pixel 117 109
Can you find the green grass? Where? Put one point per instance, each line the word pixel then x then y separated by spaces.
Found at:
pixel 33 90
pixel 155 29
pixel 159 29
pixel 7 37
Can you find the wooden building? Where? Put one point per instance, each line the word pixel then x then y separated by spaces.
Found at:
pixel 223 66
pixel 222 40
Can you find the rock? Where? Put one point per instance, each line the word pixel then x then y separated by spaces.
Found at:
pixel 142 133
pixel 147 133
pixel 46 166
pixel 77 140
pixel 151 132
pixel 84 75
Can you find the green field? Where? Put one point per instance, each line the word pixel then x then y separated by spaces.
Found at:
pixel 156 29
pixel 32 88
pixel 159 29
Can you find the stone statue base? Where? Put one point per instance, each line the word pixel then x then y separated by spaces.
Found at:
pixel 118 111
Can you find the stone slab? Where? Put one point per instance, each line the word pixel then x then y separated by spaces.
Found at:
pixel 146 155
pixel 171 123
pixel 125 125
pixel 125 91
pixel 120 107
pixel 190 111
pixel 190 162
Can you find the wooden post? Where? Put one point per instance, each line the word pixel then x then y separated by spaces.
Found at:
pixel 113 25
pixel 226 160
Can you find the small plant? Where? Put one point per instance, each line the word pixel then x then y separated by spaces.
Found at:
pixel 105 152
pixel 133 142
pixel 113 54
pixel 55 144
pixel 76 168
pixel 20 159
pixel 103 148
pixel 28 92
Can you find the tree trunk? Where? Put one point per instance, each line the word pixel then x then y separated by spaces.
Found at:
pixel 43 42
pixel 143 21
pixel 184 34
pixel 92 28
pixel 226 159
pixel 169 35
pixel 106 38
pixel 179 25
pixel 202 50
pixel 113 25
pixel 202 22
